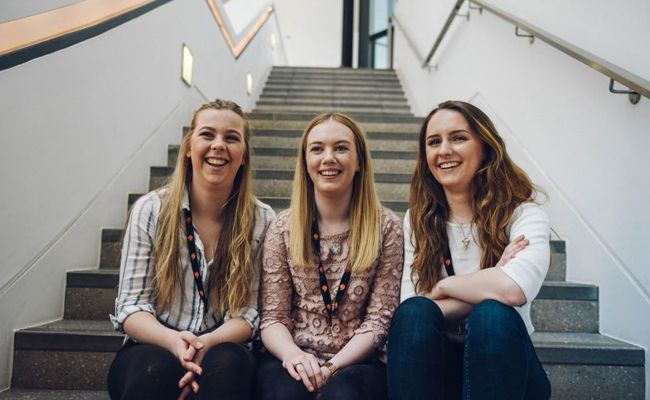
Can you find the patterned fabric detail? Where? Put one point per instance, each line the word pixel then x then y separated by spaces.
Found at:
pixel 291 295
pixel 187 310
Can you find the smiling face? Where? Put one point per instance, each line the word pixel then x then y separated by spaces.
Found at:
pixel 331 159
pixel 454 152
pixel 217 149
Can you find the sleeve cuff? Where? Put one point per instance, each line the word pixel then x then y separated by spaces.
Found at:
pixel 126 311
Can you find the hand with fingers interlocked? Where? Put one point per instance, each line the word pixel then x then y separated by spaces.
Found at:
pixel 304 367
pixel 191 361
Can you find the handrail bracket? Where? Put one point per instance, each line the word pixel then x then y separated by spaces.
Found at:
pixel 633 96
pixel 530 37
pixel 479 8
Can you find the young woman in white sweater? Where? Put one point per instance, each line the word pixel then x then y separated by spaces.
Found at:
pixel 476 254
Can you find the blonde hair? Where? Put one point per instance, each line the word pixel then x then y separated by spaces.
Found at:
pixel 499 187
pixel 365 208
pixel 232 270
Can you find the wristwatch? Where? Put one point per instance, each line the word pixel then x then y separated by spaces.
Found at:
pixel 332 367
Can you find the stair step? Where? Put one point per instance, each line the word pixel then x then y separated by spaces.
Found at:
pixel 557 272
pixel 372 135
pixel 277 183
pixel 401 155
pixel 330 87
pixel 380 165
pixel 290 102
pixel 373 144
pixel 383 122
pixel 67 354
pixel 83 351
pixel 332 95
pixel 30 394
pixel 351 82
pixel 316 109
pixel 565 307
pixel 338 70
pixel 90 295
pixel 111 248
pixel 298 121
pixel 591 366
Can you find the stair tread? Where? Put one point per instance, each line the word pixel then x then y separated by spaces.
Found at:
pixel 35 394
pixel 552 347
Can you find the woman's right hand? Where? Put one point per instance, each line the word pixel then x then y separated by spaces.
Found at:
pixel 304 367
pixel 518 244
pixel 178 344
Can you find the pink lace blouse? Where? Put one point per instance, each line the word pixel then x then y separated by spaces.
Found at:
pixel 291 294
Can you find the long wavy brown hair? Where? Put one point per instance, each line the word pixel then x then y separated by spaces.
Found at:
pixel 498 188
pixel 365 210
pixel 232 269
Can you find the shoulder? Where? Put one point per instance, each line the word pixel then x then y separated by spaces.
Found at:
pixel 149 203
pixel 281 222
pixel 264 212
pixel 389 221
pixel 528 211
pixel 529 218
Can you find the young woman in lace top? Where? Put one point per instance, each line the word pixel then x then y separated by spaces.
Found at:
pixel 325 328
pixel 476 254
pixel 189 273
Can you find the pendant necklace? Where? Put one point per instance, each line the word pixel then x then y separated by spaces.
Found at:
pixel 336 248
pixel 465 240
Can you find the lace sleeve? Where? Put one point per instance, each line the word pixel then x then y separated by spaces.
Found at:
pixel 385 288
pixel 277 289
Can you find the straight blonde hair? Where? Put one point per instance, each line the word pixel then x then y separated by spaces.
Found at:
pixel 365 214
pixel 232 271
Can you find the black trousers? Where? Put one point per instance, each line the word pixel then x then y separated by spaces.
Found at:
pixel 356 382
pixel 146 371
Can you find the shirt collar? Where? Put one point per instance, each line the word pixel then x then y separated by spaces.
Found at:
pixel 185 204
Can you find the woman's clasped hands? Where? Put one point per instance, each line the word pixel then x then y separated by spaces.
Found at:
pixel 190 350
pixel 304 367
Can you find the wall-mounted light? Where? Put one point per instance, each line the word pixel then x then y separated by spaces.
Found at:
pixel 186 69
pixel 273 40
pixel 249 83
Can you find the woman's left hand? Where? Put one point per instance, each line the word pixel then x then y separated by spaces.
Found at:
pixel 194 355
pixel 518 244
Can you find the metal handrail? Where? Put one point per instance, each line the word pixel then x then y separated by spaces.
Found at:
pixel 614 72
pixel 416 52
pixel 623 76
pixel 443 31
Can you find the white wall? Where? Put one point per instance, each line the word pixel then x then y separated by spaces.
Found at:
pixel 311 31
pixel 80 128
pixel 586 147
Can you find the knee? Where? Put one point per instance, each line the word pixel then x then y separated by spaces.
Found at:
pixel 493 323
pixel 228 356
pixel 152 371
pixel 341 389
pixel 493 315
pixel 417 310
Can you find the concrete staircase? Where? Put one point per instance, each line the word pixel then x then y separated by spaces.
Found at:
pixel 69 359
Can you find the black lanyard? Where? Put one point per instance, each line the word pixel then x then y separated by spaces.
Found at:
pixel 446 260
pixel 330 307
pixel 191 249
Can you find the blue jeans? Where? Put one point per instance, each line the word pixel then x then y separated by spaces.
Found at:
pixel 498 357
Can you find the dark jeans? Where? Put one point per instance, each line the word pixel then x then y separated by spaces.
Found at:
pixel 498 357
pixel 356 382
pixel 147 371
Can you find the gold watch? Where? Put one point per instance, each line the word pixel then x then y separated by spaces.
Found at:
pixel 331 366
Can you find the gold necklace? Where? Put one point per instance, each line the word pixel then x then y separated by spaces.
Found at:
pixel 465 240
